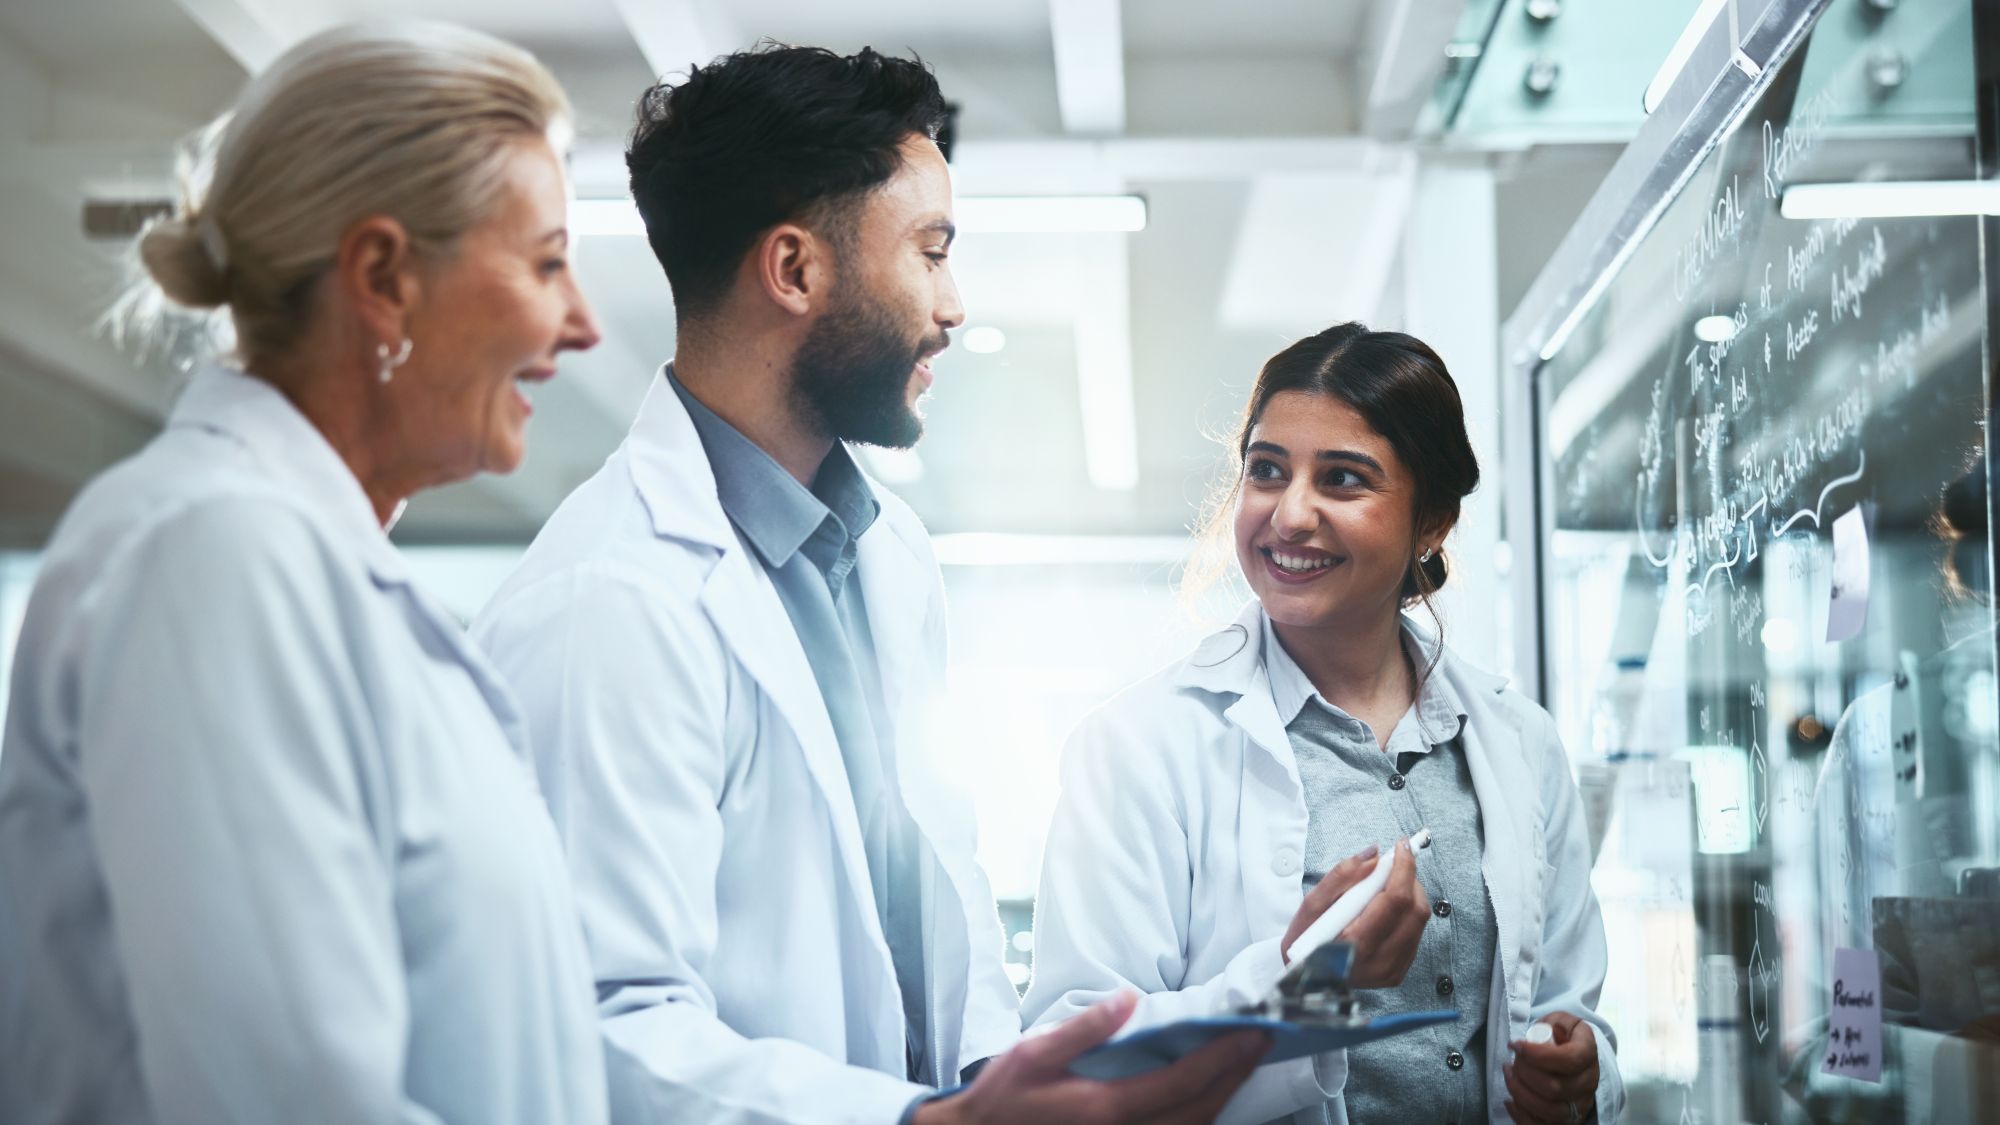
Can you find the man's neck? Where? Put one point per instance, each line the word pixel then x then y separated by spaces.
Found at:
pixel 750 388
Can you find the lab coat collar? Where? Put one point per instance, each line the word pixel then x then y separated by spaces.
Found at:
pixel 297 457
pixel 1230 661
pixel 670 470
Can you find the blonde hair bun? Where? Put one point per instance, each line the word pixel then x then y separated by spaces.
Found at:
pixel 412 120
pixel 181 265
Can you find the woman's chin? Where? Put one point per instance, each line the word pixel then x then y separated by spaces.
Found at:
pixel 506 452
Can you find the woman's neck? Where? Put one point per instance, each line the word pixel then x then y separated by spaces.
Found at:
pixel 1361 668
pixel 352 425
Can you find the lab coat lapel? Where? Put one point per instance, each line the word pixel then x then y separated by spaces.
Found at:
pixel 1504 787
pixel 671 473
pixel 894 585
pixel 1272 815
pixel 896 582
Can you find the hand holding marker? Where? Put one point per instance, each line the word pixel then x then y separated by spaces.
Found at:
pixel 1348 906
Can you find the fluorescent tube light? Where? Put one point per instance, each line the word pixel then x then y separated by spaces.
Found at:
pixel 977 214
pixel 988 548
pixel 1051 214
pixel 1907 200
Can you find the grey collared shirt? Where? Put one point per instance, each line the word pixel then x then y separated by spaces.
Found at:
pixel 1359 792
pixel 807 540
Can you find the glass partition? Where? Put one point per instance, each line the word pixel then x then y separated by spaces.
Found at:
pixel 1768 630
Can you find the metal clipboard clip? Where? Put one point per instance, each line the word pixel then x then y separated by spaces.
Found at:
pixel 1313 992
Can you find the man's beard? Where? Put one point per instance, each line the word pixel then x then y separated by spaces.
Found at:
pixel 852 375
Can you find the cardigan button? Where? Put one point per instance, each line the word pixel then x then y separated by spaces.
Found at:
pixel 1442 909
pixel 1396 781
pixel 1455 1061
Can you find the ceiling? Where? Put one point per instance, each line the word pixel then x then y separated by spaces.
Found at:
pixel 1255 130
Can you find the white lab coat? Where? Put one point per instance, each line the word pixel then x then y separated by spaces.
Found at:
pixel 692 769
pixel 270 847
pixel 1173 866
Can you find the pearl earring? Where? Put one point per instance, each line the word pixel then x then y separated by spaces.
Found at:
pixel 391 363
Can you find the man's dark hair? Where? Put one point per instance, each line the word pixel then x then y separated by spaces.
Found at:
pixel 761 137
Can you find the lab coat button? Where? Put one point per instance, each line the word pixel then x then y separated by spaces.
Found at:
pixel 1286 862
pixel 1395 781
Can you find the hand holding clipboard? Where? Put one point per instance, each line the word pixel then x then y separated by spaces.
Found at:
pixel 1369 901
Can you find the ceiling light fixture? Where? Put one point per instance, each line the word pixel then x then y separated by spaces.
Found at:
pixel 984 340
pixel 1051 214
pixel 602 218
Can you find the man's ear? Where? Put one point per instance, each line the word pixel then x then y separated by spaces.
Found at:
pixel 375 267
pixel 793 268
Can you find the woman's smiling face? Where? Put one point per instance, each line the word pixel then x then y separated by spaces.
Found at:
pixel 1325 514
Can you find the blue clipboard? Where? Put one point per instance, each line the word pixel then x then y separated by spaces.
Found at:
pixel 1155 1047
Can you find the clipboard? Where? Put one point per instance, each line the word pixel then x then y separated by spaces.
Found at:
pixel 1155 1047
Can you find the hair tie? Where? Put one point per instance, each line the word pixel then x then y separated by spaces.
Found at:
pixel 212 244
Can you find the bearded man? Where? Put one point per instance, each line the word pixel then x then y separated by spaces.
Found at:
pixel 725 641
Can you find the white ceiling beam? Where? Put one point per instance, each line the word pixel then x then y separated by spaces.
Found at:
pixel 256 32
pixel 677 34
pixel 1090 65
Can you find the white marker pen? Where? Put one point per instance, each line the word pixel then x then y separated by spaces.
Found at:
pixel 1350 904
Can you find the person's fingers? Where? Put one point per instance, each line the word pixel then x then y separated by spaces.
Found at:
pixel 1344 876
pixel 1055 1049
pixel 1564 1024
pixel 1563 1060
pixel 1536 1103
pixel 1205 1107
pixel 1168 1088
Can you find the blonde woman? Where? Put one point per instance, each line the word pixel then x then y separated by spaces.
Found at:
pixel 269 847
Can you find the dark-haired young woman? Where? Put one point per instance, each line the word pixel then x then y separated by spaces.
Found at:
pixel 1205 812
